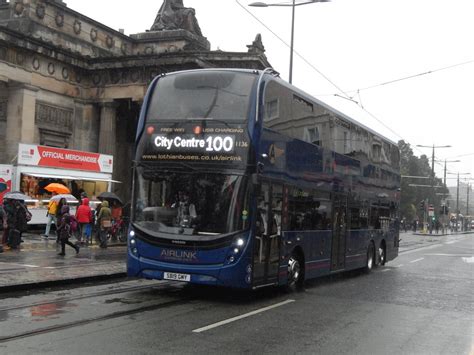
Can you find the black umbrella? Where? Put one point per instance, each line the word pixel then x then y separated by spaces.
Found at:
pixel 16 195
pixel 109 196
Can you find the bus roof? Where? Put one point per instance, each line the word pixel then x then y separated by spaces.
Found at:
pixel 275 75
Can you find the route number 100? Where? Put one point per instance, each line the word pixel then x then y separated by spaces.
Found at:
pixel 218 143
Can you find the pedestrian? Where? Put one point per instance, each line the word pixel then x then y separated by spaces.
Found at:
pixel 83 216
pixel 3 223
pixel 8 206
pixel 64 231
pixel 104 223
pixel 62 202
pixel 51 214
pixel 18 217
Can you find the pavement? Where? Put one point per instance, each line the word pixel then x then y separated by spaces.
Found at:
pixel 37 265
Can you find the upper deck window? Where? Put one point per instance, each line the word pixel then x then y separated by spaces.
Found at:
pixel 216 95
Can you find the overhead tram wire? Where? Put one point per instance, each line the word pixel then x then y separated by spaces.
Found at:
pixel 296 52
pixel 412 76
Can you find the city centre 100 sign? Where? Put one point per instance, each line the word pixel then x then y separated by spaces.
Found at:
pixel 196 143
pixel 209 144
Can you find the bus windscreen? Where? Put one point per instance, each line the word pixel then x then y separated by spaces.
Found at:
pixel 205 94
pixel 192 204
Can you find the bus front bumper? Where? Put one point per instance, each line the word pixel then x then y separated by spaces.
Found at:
pixel 235 275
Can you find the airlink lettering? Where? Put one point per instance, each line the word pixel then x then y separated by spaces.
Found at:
pixel 210 144
pixel 178 254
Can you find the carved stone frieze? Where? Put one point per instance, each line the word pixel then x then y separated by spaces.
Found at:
pixel 51 68
pixel 109 41
pixel 35 63
pixel 18 8
pixel 59 19
pixel 77 27
pixel 54 117
pixel 40 11
pixel 93 35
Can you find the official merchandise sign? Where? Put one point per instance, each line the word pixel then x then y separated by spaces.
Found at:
pixel 38 155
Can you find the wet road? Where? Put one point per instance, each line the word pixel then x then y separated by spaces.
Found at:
pixel 420 303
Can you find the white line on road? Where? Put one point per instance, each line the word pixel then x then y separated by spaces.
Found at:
pixel 230 320
pixel 461 255
pixel 415 261
pixel 452 242
pixel 399 265
pixel 385 270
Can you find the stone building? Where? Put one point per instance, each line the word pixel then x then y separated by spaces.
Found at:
pixel 68 81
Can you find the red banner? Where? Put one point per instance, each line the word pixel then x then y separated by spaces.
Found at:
pixel 64 158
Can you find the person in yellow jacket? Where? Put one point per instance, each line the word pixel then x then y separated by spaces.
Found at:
pixel 51 214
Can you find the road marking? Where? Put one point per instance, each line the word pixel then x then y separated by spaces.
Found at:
pixel 32 266
pixel 399 265
pixel 455 255
pixel 411 251
pixel 468 260
pixel 385 270
pixel 230 320
pixel 415 261
pixel 452 242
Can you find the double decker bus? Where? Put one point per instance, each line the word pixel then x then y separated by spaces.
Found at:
pixel 242 180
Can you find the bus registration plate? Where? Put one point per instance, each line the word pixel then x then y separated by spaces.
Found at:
pixel 177 277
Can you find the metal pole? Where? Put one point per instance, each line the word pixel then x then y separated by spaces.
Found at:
pixel 457 205
pixel 467 207
pixel 292 41
pixel 432 164
pixel 444 172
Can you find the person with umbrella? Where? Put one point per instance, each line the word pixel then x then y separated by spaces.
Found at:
pixel 51 214
pixel 64 231
pixel 104 223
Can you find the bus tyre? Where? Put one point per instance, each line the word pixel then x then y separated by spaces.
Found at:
pixel 381 255
pixel 370 258
pixel 295 272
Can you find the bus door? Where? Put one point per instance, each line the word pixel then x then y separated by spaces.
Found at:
pixel 339 221
pixel 268 234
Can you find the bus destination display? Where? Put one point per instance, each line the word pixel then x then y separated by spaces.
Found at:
pixel 196 143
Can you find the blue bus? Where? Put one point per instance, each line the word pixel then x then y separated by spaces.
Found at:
pixel 242 180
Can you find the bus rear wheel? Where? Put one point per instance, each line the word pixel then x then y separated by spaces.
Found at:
pixel 295 272
pixel 381 255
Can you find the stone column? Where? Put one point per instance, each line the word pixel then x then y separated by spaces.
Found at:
pixel 108 124
pixel 21 108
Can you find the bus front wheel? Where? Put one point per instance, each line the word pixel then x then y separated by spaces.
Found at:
pixel 295 271
pixel 370 258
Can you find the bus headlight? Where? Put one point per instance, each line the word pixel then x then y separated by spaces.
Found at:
pixel 132 233
pixel 236 248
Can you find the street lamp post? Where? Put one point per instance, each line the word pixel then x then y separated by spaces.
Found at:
pixel 433 154
pixel 448 161
pixel 432 164
pixel 293 6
